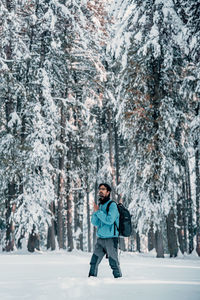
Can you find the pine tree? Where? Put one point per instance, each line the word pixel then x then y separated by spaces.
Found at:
pixel 10 187
pixel 189 11
pixel 150 104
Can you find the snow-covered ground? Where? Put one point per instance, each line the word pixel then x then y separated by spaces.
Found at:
pixel 62 275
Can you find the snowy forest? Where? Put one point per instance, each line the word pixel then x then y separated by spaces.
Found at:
pixel 98 91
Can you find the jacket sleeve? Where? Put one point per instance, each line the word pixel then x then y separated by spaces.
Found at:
pixel 109 218
pixel 95 220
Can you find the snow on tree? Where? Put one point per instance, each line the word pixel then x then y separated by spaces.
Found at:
pixel 151 107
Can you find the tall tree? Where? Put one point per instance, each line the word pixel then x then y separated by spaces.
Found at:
pixel 149 105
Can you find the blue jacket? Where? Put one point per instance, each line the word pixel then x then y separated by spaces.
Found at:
pixel 105 222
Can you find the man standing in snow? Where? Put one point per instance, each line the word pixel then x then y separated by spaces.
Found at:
pixel 107 233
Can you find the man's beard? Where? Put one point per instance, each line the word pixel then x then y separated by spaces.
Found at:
pixel 103 200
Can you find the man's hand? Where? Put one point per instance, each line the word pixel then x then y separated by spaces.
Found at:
pixel 96 207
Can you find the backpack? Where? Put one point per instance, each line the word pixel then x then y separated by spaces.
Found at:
pixel 125 227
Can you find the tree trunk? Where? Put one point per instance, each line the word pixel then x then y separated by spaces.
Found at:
pixel 122 245
pixel 33 241
pixel 51 230
pixel 9 108
pixel 181 222
pixel 10 209
pixel 111 156
pixel 10 231
pixel 171 234
pixel 60 213
pixel 117 161
pixel 132 245
pixel 189 208
pixel 151 238
pixel 156 94
pixel 96 201
pixel 99 163
pixel 197 199
pixel 70 242
pixel 180 230
pixel 159 243
pixel 78 220
pixel 88 220
pixel 61 187
pixel 197 173
pixel 138 241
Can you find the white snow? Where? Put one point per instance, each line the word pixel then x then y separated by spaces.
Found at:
pixel 62 275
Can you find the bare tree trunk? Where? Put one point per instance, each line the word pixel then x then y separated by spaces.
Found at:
pixel 10 227
pixel 197 172
pixel 138 241
pixel 96 201
pixel 99 163
pixel 180 230
pixel 88 220
pixel 61 187
pixel 70 242
pixel 33 241
pixel 197 199
pixel 189 208
pixel 115 174
pixel 181 222
pixel 157 94
pixel 171 234
pixel 78 153
pixel 151 238
pixel 119 199
pixel 60 213
pixel 9 108
pixel 111 156
pixel 78 220
pixel 159 243
pixel 132 245
pixel 51 230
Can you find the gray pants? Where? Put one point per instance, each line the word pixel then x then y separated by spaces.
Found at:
pixel 107 246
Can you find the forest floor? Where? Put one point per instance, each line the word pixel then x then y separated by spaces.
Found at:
pixel 61 275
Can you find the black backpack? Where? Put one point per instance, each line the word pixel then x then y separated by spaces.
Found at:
pixel 125 227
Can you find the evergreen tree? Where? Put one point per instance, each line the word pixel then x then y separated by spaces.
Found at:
pixel 150 107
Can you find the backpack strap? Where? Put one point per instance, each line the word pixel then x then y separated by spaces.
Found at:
pixel 107 210
pixel 108 206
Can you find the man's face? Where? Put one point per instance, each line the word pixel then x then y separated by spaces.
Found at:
pixel 103 192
